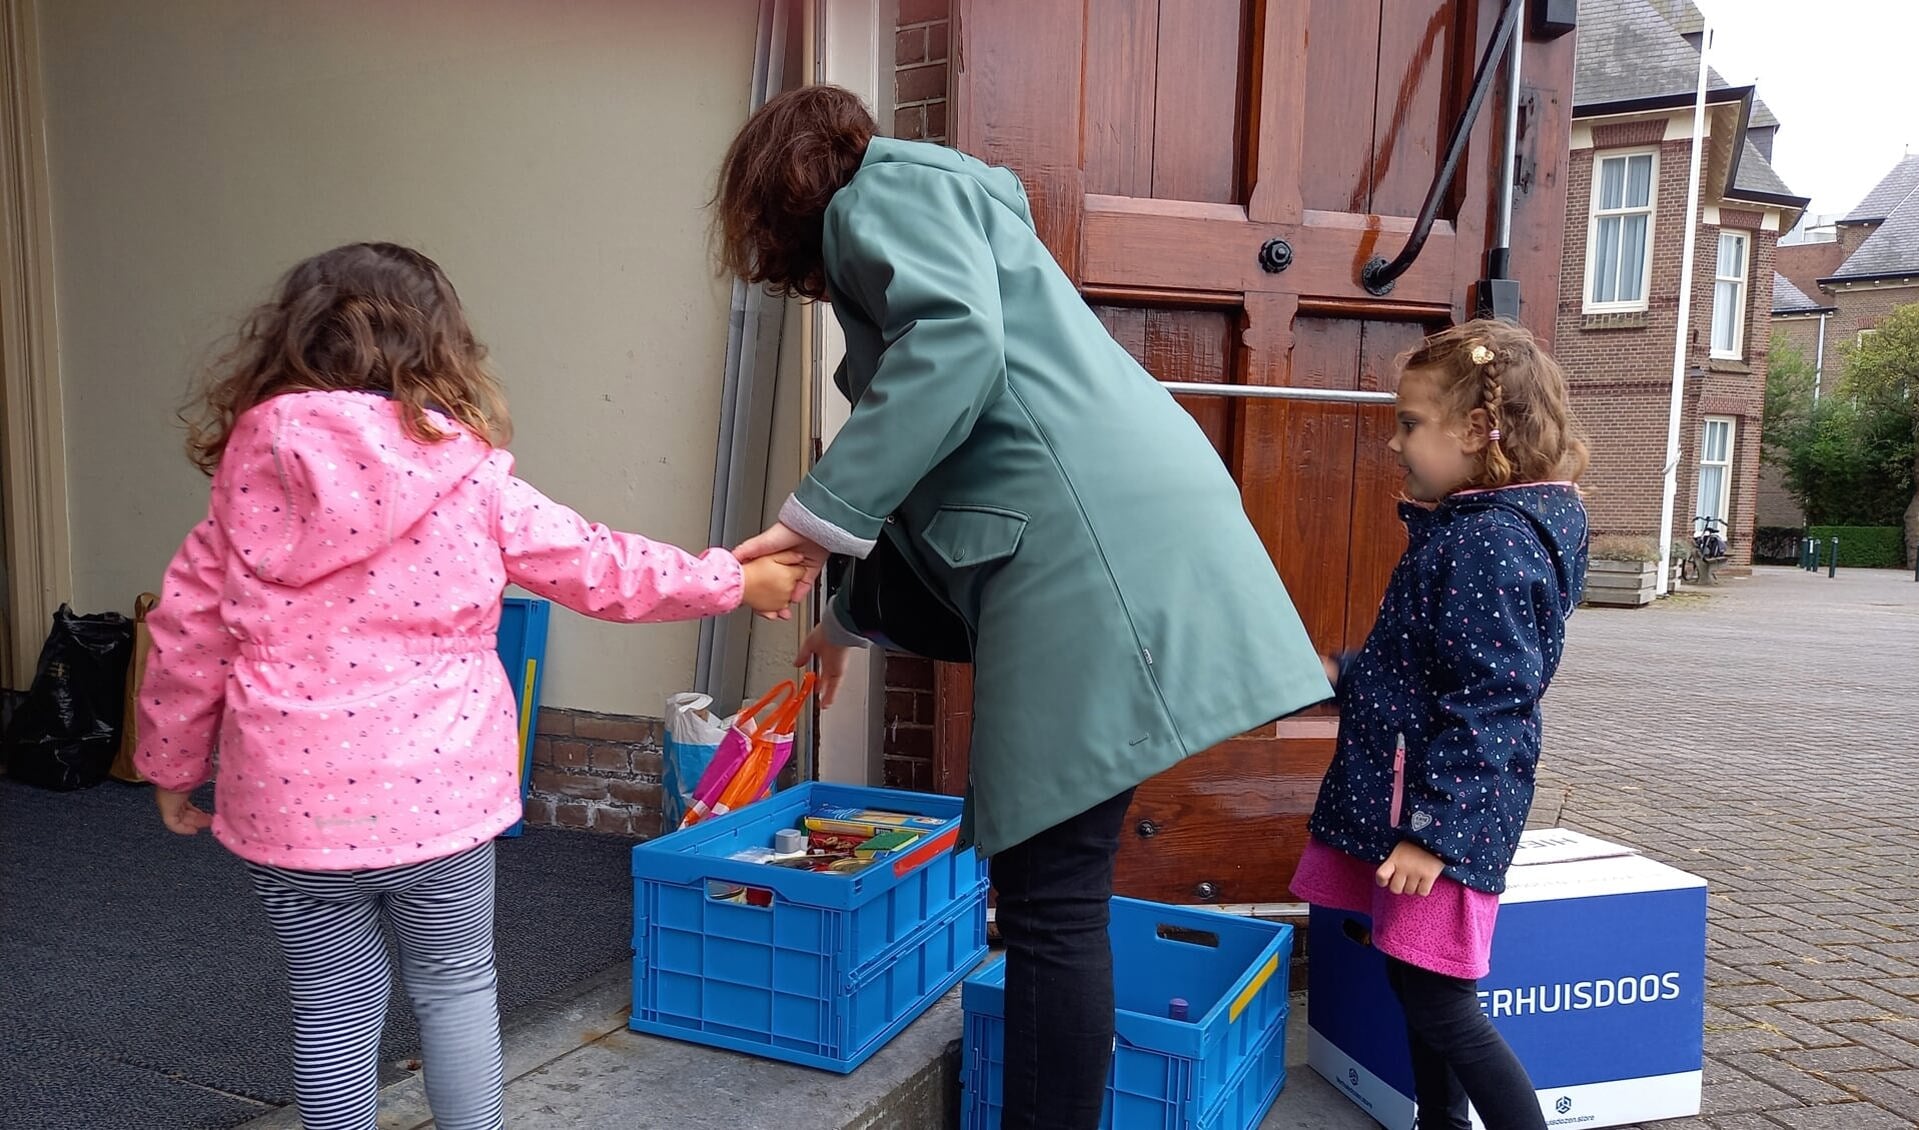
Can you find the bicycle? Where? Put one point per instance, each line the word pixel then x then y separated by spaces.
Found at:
pixel 1709 550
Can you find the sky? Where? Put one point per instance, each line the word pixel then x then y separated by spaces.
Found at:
pixel 1843 77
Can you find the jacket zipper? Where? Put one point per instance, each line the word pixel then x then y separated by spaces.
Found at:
pixel 1399 781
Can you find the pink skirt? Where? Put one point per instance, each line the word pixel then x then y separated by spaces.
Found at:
pixel 1449 931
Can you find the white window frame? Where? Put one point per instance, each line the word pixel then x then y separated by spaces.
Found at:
pixel 1595 213
pixel 1738 350
pixel 1722 511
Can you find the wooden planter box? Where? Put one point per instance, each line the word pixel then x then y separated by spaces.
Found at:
pixel 1621 584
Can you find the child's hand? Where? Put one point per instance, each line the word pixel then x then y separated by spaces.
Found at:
pixel 178 813
pixel 773 582
pixel 1332 668
pixel 1410 870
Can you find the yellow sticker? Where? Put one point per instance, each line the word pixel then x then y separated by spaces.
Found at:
pixel 1247 994
pixel 526 719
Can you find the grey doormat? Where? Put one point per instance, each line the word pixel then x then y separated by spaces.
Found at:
pixel 140 987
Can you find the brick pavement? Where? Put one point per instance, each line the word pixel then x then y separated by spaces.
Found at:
pixel 1766 737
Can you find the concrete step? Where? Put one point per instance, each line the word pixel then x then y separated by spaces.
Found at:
pixel 574 1063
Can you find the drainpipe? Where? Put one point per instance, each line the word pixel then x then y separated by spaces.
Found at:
pixel 1819 366
pixel 746 412
pixel 1664 582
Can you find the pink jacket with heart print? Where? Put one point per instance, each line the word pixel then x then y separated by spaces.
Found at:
pixel 329 629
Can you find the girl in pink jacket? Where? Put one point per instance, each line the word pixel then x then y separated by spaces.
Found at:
pixel 328 629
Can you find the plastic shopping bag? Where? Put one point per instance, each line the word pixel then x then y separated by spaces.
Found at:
pixel 693 735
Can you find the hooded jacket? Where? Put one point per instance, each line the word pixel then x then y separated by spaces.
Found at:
pixel 1468 638
pixel 329 630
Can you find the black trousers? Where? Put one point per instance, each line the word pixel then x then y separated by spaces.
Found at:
pixel 1055 892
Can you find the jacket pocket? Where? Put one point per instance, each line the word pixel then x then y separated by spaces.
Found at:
pixel 967 536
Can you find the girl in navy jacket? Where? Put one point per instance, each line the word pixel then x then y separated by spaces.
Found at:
pixel 1439 732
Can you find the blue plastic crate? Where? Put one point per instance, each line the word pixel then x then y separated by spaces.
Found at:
pixel 522 649
pixel 834 966
pixel 1219 1070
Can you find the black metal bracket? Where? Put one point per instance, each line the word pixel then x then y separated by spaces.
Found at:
pixel 1379 275
pixel 1275 255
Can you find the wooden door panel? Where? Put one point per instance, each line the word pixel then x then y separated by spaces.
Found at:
pixel 1164 143
pixel 1234 818
pixel 1335 171
pixel 1420 56
pixel 1296 475
pixel 1182 346
pixel 1197 113
pixel 1122 85
pixel 1377 481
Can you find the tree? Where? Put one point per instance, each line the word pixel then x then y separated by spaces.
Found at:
pixel 1882 379
pixel 1788 408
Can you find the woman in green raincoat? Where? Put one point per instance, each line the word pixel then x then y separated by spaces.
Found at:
pixel 1053 501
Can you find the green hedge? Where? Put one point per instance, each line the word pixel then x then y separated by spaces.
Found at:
pixel 1864 547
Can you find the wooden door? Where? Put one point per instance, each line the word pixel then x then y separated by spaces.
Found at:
pixel 1163 143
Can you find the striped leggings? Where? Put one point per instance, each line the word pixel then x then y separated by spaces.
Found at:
pixel 332 927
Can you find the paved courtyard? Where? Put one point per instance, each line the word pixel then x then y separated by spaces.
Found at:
pixel 1766 737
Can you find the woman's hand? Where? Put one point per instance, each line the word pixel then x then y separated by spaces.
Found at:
pixel 781 538
pixel 1410 870
pixel 179 814
pixel 832 659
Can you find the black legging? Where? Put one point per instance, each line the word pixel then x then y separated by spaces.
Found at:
pixel 1458 1055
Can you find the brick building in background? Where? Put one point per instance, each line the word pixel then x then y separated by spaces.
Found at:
pixel 1638 69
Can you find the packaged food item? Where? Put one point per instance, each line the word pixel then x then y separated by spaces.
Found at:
pixel 866 822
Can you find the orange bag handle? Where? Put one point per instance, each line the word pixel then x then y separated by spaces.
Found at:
pixel 769 699
pixel 749 780
pixel 789 714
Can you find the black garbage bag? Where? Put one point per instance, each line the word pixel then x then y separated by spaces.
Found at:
pixel 66 731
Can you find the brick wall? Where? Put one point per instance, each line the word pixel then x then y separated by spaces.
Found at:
pixel 920 75
pixel 596 771
pixel 1620 365
pixel 1860 307
pixel 922 78
pixel 1806 263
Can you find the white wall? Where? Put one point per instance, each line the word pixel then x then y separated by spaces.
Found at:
pixel 553 155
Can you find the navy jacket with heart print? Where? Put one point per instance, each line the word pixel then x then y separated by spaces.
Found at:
pixel 1468 637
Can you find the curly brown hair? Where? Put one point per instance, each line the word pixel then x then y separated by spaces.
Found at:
pixel 372 317
pixel 1500 367
pixel 779 174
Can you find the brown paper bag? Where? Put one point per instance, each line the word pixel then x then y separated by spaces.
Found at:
pixel 123 767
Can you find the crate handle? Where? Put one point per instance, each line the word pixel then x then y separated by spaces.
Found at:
pixel 1188 935
pixel 1355 932
pixel 931 849
pixel 739 894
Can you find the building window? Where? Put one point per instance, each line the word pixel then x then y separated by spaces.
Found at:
pixel 1715 474
pixel 1619 245
pixel 1729 296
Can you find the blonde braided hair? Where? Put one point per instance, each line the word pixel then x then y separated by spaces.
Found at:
pixel 1499 368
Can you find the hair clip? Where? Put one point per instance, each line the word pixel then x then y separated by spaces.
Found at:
pixel 1492 436
pixel 1481 356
